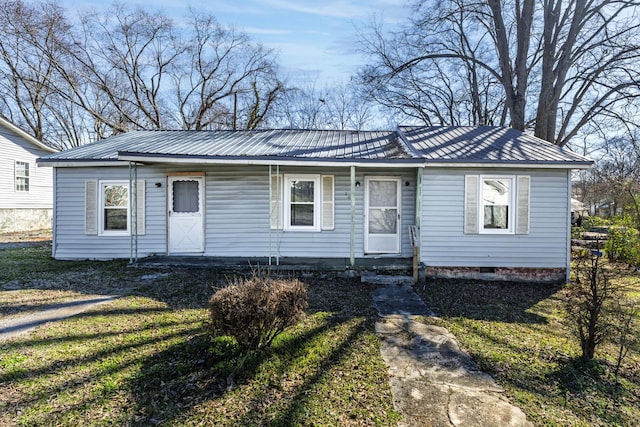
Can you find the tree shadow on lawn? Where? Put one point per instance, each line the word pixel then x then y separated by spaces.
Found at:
pixel 216 382
pixel 497 301
pixel 587 389
pixel 29 343
pixel 178 288
pixel 66 371
pixel 514 331
pixel 174 370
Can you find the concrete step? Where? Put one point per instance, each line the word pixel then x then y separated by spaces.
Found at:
pixel 379 279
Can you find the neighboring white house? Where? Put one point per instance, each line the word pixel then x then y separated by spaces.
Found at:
pixel 488 202
pixel 26 189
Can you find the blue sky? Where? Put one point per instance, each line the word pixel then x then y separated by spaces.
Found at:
pixel 314 39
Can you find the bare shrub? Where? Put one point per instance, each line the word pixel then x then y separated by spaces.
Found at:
pixel 626 327
pixel 591 302
pixel 255 310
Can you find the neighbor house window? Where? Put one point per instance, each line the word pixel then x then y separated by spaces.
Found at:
pixel 497 207
pixel 114 207
pixel 22 176
pixel 302 202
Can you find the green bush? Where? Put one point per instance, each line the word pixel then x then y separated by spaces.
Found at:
pixel 623 245
pixel 623 221
pixel 595 221
pixel 256 309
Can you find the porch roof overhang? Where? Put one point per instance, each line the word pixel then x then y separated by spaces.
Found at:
pixel 78 163
pixel 524 164
pixel 126 157
pixel 154 158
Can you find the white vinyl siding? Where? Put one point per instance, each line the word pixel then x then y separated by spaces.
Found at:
pixel 495 204
pixel 40 180
pixel 446 243
pixel 324 206
pixel 71 241
pixel 94 209
pixel 238 218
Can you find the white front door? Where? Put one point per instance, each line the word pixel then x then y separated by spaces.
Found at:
pixel 185 210
pixel 382 215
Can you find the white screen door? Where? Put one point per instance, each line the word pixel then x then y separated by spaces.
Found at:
pixel 186 219
pixel 382 215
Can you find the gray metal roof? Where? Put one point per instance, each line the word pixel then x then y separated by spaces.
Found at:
pixel 276 144
pixel 484 144
pixel 417 145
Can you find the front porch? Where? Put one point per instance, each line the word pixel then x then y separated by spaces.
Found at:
pixel 283 264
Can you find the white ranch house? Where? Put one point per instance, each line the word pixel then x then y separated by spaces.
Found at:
pixel 26 190
pixel 487 201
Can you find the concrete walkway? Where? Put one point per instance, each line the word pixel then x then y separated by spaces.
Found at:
pixel 433 382
pixel 22 324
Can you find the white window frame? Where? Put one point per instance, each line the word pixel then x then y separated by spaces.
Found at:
pixel 101 209
pixel 511 206
pixel 26 176
pixel 317 202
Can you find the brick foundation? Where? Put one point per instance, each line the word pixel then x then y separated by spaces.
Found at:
pixel 544 275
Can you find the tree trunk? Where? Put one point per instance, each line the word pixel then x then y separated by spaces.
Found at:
pixel 514 80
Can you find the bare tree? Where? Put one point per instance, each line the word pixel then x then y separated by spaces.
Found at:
pixel 128 69
pixel 450 88
pixel 615 179
pixel 338 106
pixel 347 108
pixel 223 74
pixel 552 66
pixel 119 63
pixel 25 72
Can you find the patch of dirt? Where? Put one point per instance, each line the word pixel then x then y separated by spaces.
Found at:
pixel 25 238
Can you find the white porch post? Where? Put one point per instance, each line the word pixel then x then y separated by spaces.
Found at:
pixel 270 210
pixel 569 191
pixel 133 212
pixel 352 256
pixel 419 205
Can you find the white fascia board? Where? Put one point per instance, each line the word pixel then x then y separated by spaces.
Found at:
pixel 15 129
pixel 266 162
pixel 508 165
pixel 123 161
pixel 80 164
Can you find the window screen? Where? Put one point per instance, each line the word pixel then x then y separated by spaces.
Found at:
pixel 186 196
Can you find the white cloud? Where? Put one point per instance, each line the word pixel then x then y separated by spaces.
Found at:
pixel 266 31
pixel 331 9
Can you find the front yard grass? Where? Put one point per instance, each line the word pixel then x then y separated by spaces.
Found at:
pixel 516 333
pixel 145 358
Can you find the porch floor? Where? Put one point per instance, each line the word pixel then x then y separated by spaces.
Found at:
pixel 285 264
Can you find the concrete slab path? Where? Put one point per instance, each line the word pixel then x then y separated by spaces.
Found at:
pixel 433 382
pixel 22 324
